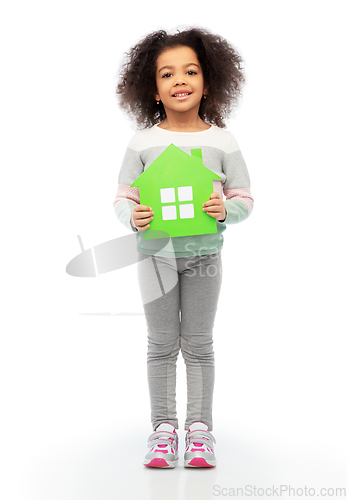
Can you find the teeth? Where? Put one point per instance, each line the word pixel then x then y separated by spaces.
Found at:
pixel 181 95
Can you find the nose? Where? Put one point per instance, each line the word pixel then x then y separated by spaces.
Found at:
pixel 180 81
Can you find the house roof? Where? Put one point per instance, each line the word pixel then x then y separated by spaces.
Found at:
pixel 172 164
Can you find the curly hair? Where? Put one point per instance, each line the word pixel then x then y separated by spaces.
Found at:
pixel 221 67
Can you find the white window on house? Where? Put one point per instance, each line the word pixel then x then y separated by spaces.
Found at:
pixel 169 212
pixel 186 210
pixel 167 195
pixel 185 193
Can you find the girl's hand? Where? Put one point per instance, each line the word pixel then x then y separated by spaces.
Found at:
pixel 215 207
pixel 141 218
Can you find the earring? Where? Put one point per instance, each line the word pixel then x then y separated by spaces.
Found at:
pixel 204 96
pixel 158 102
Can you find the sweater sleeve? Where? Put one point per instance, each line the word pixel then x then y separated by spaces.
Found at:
pixel 239 202
pixel 128 197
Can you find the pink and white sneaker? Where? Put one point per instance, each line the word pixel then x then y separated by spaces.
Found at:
pixel 199 447
pixel 163 444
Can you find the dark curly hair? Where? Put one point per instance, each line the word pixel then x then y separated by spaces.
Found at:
pixel 221 67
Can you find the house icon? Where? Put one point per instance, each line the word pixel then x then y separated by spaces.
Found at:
pixel 176 185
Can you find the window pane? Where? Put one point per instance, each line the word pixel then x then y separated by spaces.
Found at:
pixel 185 193
pixel 187 211
pixel 169 212
pixel 167 195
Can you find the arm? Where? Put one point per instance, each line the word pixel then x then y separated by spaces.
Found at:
pixel 236 189
pixel 236 208
pixel 238 204
pixel 127 197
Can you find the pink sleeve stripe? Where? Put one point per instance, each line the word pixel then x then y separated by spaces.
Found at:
pixel 217 188
pixel 242 194
pixel 125 192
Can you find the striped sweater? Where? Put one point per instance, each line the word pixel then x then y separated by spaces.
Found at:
pixel 220 153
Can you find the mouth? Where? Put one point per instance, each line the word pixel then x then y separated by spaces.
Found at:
pixel 181 95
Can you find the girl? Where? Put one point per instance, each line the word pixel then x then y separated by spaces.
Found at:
pixel 180 88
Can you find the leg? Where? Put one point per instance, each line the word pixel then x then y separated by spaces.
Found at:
pixel 200 286
pixel 156 276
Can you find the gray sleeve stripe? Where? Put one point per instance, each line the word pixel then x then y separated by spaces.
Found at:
pixel 236 172
pixel 131 167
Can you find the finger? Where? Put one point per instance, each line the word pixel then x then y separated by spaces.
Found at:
pixel 215 215
pixel 142 215
pixel 214 195
pixel 142 229
pixel 212 208
pixel 215 202
pixel 141 208
pixel 143 222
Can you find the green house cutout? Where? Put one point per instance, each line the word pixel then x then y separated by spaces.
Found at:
pixel 176 185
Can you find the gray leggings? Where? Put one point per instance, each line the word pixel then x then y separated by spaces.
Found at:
pixel 180 299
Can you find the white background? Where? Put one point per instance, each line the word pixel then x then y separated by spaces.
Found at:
pixel 75 407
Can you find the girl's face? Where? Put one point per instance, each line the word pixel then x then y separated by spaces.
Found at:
pixel 179 79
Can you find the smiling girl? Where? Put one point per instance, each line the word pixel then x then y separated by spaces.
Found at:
pixel 180 88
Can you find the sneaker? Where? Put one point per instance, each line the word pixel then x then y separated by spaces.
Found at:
pixel 199 447
pixel 163 444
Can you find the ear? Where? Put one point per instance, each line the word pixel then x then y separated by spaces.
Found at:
pixel 157 97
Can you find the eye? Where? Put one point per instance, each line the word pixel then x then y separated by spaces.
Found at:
pixel 191 72
pixel 166 75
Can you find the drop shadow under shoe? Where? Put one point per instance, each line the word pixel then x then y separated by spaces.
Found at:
pixel 199 447
pixel 163 444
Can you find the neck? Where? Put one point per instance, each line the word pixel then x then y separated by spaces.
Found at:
pixel 183 122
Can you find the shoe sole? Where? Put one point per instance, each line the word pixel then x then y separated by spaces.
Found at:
pixel 160 463
pixel 199 462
